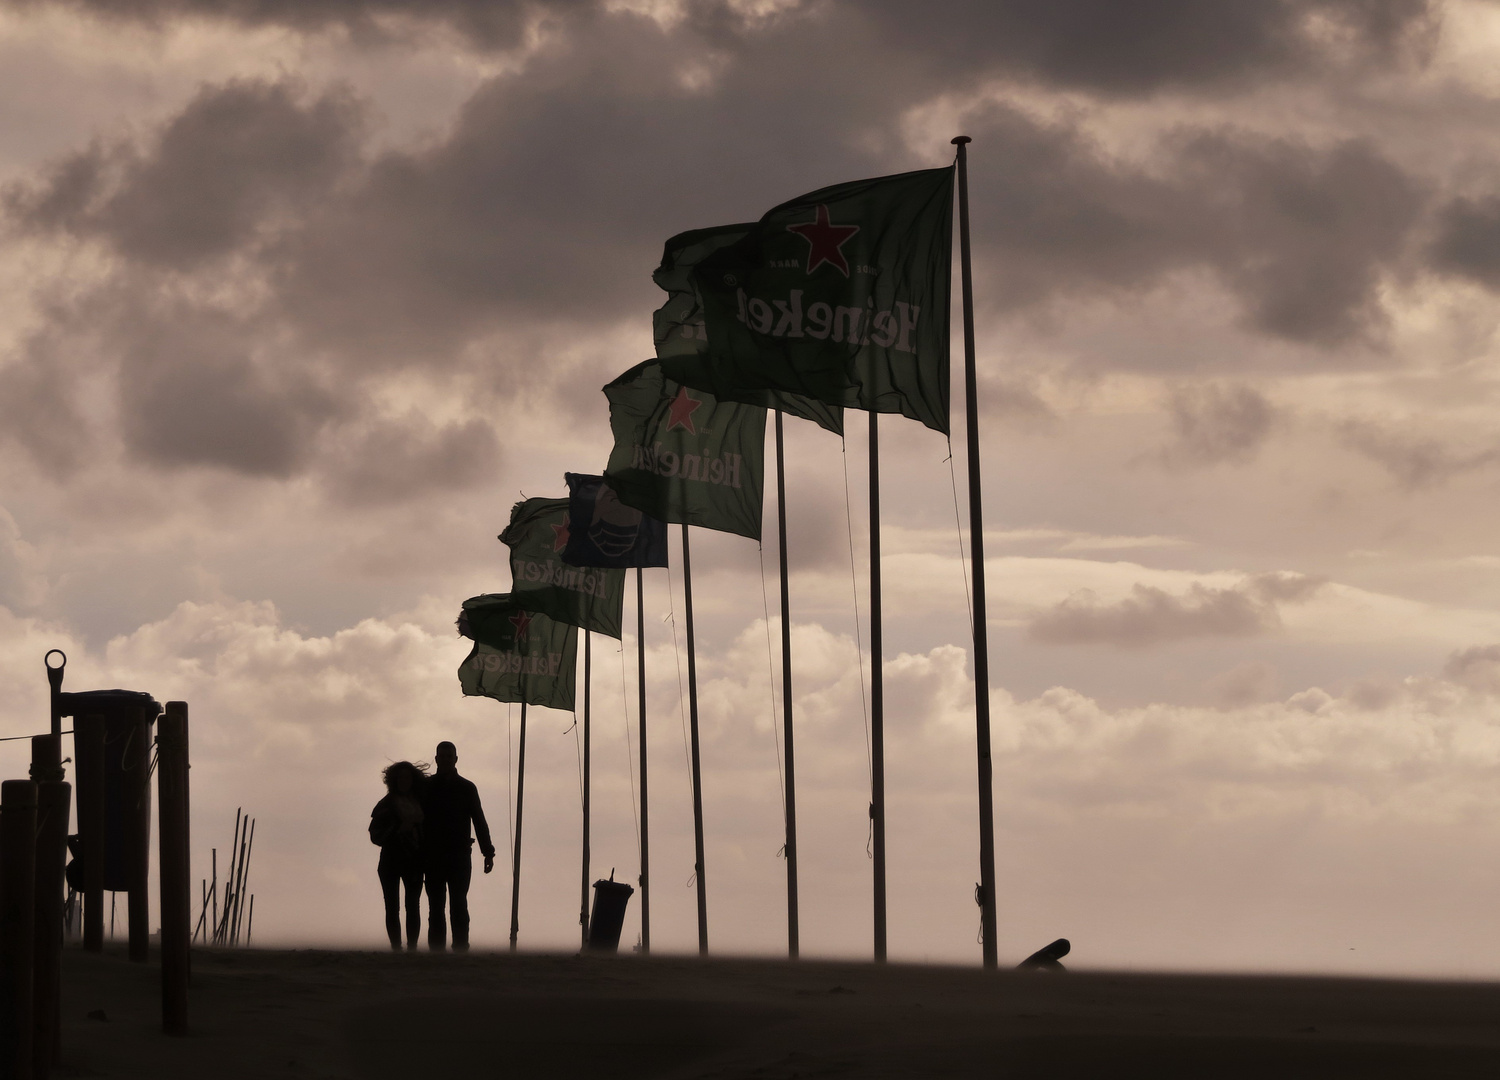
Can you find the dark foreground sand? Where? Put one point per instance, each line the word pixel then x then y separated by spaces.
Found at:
pixel 381 1015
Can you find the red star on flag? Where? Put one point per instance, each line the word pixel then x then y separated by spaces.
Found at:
pixel 825 242
pixel 560 535
pixel 681 411
pixel 522 622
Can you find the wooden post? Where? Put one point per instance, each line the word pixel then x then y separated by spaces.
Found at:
pixel 137 764
pixel 176 867
pixel 88 754
pixel 242 875
pixel 18 920
pixel 54 798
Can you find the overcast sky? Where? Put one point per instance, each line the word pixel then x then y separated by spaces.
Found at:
pixel 297 297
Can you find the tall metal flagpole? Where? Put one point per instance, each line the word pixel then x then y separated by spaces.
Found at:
pixel 877 695
pixel 640 645
pixel 583 903
pixel 792 946
pixel 515 868
pixel 687 592
pixel 976 550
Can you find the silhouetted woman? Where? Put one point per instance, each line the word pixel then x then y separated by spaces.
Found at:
pixel 396 825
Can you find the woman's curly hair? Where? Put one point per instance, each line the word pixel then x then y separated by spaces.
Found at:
pixel 392 773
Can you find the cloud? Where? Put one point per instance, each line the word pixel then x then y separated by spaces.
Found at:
pixel 23 584
pixel 1283 586
pixel 487 24
pixel 1468 240
pixel 1416 461
pixel 1477 668
pixel 256 250
pixel 1300 235
pixel 1088 44
pixel 39 408
pixel 193 394
pixel 1216 424
pixel 1159 45
pixel 1246 684
pixel 393 460
pixel 239 159
pixel 1174 801
pixel 1153 616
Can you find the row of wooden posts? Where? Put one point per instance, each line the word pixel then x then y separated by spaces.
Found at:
pixel 225 927
pixel 34 815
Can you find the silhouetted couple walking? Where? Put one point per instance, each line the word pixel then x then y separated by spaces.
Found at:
pixel 422 827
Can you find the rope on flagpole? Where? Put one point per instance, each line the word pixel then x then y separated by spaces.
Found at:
pixel 629 765
pixel 859 648
pixel 771 672
pixel 578 748
pixel 687 752
pixel 958 528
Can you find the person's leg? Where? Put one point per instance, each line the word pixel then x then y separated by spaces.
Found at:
pixel 437 899
pixel 412 881
pixel 390 888
pixel 459 874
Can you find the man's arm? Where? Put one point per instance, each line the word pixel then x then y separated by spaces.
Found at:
pixel 481 829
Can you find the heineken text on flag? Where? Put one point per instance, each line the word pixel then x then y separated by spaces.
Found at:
pixel 588 597
pixel 840 295
pixel 682 456
pixel 519 654
pixel 680 330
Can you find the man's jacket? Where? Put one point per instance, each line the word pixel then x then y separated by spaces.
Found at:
pixel 450 803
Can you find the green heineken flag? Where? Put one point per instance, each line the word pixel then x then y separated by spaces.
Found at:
pixel 590 597
pixel 682 456
pixel 840 295
pixel 679 326
pixel 518 655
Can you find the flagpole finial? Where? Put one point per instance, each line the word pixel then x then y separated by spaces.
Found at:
pixel 959 140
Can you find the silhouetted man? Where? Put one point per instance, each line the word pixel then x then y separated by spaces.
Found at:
pixel 450 803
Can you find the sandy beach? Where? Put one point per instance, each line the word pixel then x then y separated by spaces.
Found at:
pixel 376 1015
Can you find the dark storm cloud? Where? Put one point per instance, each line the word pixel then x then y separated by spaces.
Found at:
pixel 234 161
pixel 1415 460
pixel 552 196
pixel 1102 46
pixel 1299 235
pixel 191 394
pixel 1152 616
pixel 1468 241
pixel 550 199
pixel 542 211
pixel 490 24
pixel 1213 424
pixel 1147 45
pixel 394 460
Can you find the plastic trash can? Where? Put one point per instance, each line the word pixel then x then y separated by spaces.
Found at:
pixel 611 898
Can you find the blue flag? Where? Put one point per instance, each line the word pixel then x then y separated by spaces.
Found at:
pixel 603 531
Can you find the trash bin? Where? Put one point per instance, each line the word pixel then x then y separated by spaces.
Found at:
pixel 112 760
pixel 124 753
pixel 611 898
